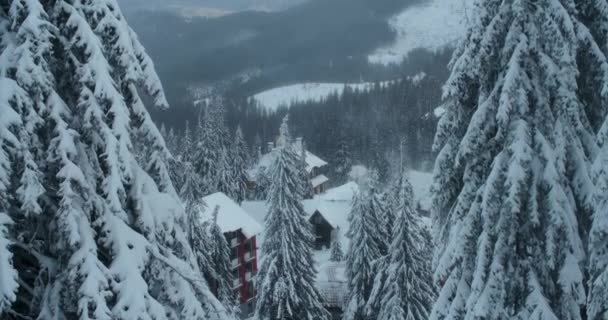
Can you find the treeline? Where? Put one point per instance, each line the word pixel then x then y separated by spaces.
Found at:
pixel 361 127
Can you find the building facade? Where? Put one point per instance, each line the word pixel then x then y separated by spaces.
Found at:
pixel 240 230
pixel 244 262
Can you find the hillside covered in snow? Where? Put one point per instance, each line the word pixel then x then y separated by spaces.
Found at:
pixel 431 25
pixel 273 99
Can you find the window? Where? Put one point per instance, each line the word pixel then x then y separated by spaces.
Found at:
pixel 248 245
pixel 234 253
pixel 235 273
pixel 250 290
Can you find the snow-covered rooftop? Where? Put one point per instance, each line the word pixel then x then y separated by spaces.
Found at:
pixel 231 217
pixel 318 180
pixel 345 192
pixel 266 160
pixel 336 203
pixel 335 212
pixel 312 161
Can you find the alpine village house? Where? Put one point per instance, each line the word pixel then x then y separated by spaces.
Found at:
pixel 240 230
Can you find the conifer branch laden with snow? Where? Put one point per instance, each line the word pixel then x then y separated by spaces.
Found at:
pixel 87 230
pixel 512 185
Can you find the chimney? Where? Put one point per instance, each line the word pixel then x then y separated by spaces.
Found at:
pixel 270 146
pixel 299 144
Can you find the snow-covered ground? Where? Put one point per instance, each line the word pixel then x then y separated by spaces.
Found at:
pixel 272 99
pixel 431 25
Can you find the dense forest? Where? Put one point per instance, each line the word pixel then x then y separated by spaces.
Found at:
pixel 109 214
pixel 356 127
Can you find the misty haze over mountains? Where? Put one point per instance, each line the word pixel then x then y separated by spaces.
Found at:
pixel 251 51
pixel 209 6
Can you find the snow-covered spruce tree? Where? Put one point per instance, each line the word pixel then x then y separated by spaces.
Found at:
pixel 239 166
pixel 94 235
pixel 382 213
pixel 403 288
pixel 209 153
pixel 342 158
pixel 512 189
pixel 175 162
pixel 593 82
pixel 336 254
pixel 287 273
pixel 223 278
pixel 191 194
pixel 597 308
pixel 12 98
pixel 391 198
pixel 227 182
pixel 262 185
pixel 305 184
pixel 362 255
pixel 172 142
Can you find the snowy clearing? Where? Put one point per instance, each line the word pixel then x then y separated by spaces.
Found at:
pixel 431 25
pixel 272 99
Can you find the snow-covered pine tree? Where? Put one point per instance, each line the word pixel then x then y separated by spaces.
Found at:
pixel 262 185
pixel 227 180
pixel 362 255
pixel 597 307
pixel 403 288
pixel 594 94
pixel 208 151
pixel 390 198
pixel 382 213
pixel 94 235
pixel 286 277
pixel 172 143
pixel 12 99
pixel 392 194
pixel 336 254
pixel 187 145
pixel 175 161
pixel 191 194
pixel 220 260
pixel 239 166
pixel 512 189
pixel 342 158
pixel 305 184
